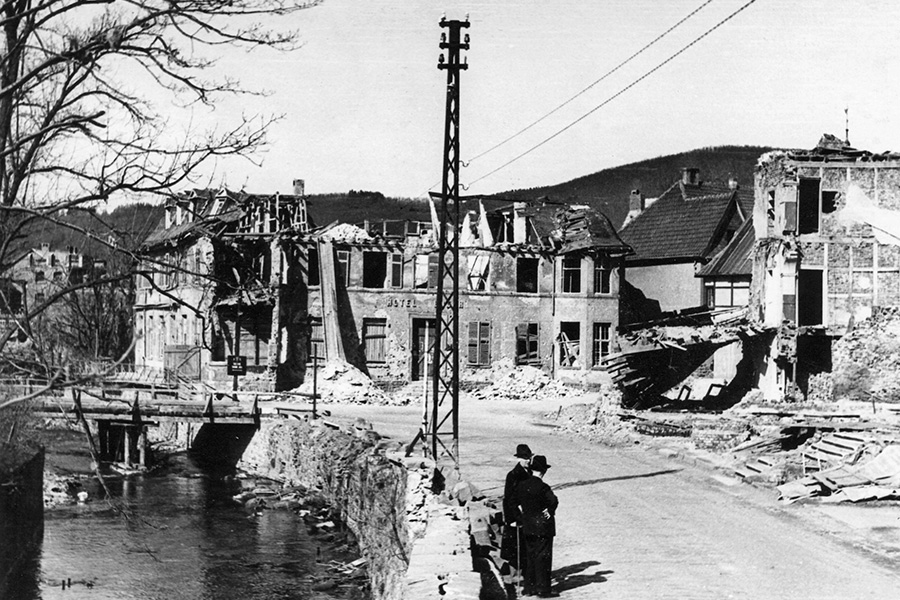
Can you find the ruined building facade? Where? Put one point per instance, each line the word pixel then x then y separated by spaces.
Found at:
pixel 827 253
pixel 239 274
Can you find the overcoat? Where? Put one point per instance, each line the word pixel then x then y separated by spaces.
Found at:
pixel 534 496
pixel 517 475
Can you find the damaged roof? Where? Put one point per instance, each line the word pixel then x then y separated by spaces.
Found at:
pixel 833 149
pixel 583 228
pixel 736 259
pixel 687 222
pixel 210 209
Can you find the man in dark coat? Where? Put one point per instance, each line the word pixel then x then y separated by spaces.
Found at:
pixel 511 551
pixel 538 505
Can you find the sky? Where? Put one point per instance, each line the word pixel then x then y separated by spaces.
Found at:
pixel 363 101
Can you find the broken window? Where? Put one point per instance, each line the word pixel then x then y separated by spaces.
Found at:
pixel 808 206
pixel 770 210
pixel 569 343
pixel 396 270
pixel 479 343
pixel 829 199
pixel 809 297
pixel 478 272
pixel 601 342
pixel 602 276
pixel 571 274
pixel 312 267
pixel 38 275
pixel 316 340
pixel 425 271
pixel 527 275
pixel 527 344
pixel 343 267
pixel 374 269
pixel 374 338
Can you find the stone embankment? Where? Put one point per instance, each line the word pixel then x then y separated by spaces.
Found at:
pixel 417 544
pixel 21 513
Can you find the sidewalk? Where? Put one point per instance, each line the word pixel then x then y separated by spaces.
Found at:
pixel 634 523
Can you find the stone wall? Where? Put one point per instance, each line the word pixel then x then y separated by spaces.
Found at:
pixel 21 514
pixel 350 467
pixel 417 544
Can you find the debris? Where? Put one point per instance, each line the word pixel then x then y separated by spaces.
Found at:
pixel 522 382
pixel 339 381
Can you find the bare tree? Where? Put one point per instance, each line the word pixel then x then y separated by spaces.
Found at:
pixel 76 127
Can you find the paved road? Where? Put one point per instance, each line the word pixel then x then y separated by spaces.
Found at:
pixel 633 524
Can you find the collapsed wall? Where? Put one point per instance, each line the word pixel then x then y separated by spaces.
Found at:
pixel 866 361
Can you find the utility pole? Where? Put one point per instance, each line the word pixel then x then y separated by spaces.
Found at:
pixel 445 397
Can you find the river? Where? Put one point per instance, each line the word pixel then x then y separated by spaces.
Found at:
pixel 175 534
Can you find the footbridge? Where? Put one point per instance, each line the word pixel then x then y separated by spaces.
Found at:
pixel 215 424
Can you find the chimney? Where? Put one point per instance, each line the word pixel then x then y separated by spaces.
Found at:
pixel 636 201
pixel 690 176
pixel 732 183
pixel 299 187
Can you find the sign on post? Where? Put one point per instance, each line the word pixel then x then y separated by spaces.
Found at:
pixel 237 365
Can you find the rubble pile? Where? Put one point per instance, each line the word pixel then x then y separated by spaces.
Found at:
pixel 592 422
pixel 339 381
pixel 345 233
pixel 519 382
pixel 719 433
pixel 866 361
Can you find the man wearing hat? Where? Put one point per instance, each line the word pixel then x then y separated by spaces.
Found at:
pixel 538 503
pixel 513 550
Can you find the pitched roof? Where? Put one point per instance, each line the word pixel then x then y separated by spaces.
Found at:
pixel 686 222
pixel 736 258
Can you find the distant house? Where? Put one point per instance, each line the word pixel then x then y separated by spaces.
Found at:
pixel 36 274
pixel 678 234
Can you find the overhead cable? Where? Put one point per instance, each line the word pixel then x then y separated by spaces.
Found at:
pixel 616 95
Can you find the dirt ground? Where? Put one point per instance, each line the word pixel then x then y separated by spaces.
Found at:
pixel 657 520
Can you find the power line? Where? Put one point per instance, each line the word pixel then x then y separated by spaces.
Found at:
pixel 617 94
pixel 605 75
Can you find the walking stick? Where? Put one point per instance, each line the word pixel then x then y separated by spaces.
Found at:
pixel 518 563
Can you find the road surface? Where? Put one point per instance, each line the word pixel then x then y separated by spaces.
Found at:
pixel 633 524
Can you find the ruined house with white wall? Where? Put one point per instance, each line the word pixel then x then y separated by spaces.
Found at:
pixel 827 253
pixel 223 277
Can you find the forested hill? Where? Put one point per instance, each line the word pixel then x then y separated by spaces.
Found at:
pixel 608 190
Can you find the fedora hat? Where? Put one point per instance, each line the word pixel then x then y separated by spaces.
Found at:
pixel 523 451
pixel 539 463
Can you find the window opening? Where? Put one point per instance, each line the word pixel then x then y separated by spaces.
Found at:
pixel 396 270
pixel 527 275
pixel 571 273
pixel 527 344
pixel 601 343
pixel 375 340
pixel 479 343
pixel 809 297
pixel 602 276
pixel 829 201
pixel 569 343
pixel 808 206
pixel 478 272
pixel 343 267
pixel 374 269
pixel 312 274
pixel 316 341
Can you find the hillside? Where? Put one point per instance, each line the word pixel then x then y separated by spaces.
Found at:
pixel 608 190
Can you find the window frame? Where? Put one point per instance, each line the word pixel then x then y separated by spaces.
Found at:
pixel 479 345
pixel 601 342
pixel 571 276
pixel 379 348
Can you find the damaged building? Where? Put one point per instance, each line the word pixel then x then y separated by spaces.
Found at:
pixel 229 275
pixel 826 254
